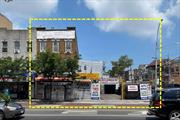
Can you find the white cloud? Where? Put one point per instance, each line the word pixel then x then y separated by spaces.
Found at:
pixel 20 10
pixel 130 8
pixel 174 10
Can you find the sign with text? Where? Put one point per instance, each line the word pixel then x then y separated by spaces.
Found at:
pixel 132 88
pixel 95 90
pixel 92 76
pixel 144 91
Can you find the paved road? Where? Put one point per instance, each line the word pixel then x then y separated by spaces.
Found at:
pixel 87 115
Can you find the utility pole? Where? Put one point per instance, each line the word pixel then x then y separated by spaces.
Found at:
pixel 156 60
pixel 156 48
pixel 169 70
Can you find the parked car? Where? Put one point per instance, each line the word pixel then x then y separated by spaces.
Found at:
pixel 170 104
pixel 10 110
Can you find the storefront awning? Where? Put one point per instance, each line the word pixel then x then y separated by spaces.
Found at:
pixel 40 78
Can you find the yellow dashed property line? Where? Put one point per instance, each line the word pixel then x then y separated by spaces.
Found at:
pixel 160 63
pixel 92 107
pixel 29 61
pixel 90 19
pixel 97 19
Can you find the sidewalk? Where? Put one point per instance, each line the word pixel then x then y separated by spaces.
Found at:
pixel 89 102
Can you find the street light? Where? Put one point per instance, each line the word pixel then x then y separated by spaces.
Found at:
pixel 155 82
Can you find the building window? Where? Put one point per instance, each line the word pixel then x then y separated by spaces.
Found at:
pixel 68 46
pixel 16 47
pixel 177 68
pixel 42 46
pixel 85 67
pixel 55 46
pixel 5 46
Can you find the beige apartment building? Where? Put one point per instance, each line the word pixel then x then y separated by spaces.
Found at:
pixel 5 22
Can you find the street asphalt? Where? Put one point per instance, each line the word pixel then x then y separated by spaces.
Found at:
pixel 55 114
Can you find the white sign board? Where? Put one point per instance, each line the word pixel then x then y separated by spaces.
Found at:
pixel 67 34
pixel 95 90
pixel 132 88
pixel 144 91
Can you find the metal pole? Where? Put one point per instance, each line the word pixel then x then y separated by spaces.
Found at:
pixel 155 81
pixel 169 70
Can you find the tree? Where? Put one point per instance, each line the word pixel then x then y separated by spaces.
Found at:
pixel 12 68
pixel 5 67
pixel 119 66
pixel 49 64
pixel 72 66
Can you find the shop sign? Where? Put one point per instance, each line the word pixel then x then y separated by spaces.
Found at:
pixel 95 90
pixel 109 81
pixel 132 88
pixel 57 83
pixel 92 76
pixel 144 91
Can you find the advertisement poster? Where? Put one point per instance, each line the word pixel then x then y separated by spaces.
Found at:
pixel 95 90
pixel 144 91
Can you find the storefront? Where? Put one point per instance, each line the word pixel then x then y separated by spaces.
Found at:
pixel 15 89
pixel 56 89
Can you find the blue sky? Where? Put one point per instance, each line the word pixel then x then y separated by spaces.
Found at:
pixel 107 40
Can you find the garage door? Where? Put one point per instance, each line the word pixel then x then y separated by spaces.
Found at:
pixel 109 89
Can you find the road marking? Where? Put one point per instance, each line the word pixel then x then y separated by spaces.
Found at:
pixel 80 111
pixel 66 115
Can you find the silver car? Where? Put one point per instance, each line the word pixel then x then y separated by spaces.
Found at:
pixel 10 110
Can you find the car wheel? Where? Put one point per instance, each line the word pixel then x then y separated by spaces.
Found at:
pixel 1 115
pixel 174 115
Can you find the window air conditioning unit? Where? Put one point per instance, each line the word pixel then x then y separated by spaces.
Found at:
pixel 68 51
pixel 16 51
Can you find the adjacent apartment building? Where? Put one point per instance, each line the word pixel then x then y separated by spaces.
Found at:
pixel 14 43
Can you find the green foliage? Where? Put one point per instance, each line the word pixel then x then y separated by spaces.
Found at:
pixel 119 66
pixel 5 98
pixel 51 64
pixel 72 66
pixel 12 68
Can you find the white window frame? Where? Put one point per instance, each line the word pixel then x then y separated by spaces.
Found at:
pixel 53 46
pixel 40 42
pixel 68 50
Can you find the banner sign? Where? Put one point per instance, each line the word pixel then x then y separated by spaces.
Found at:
pixel 109 81
pixel 144 91
pixel 92 76
pixel 95 90
pixel 132 88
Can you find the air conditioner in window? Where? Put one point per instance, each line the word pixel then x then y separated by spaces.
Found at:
pixel 16 51
pixel 68 51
